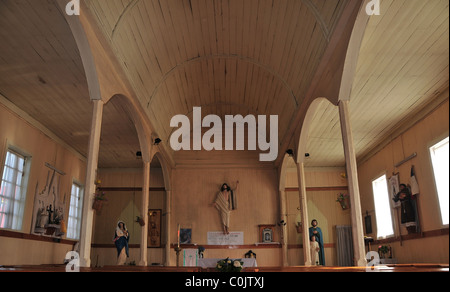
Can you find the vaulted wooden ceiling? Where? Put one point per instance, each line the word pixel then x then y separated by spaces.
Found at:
pixel 403 68
pixel 227 56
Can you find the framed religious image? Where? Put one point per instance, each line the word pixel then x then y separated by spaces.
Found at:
pixel 186 236
pixel 266 233
pixel 154 228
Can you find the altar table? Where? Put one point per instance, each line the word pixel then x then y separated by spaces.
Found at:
pixel 211 263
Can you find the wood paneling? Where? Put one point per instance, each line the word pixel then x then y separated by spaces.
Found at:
pixel 322 189
pixel 230 57
pixel 41 71
pixel 195 189
pixel 20 133
pixel 418 139
pixel 403 66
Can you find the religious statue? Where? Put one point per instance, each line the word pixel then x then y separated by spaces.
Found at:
pixel 41 217
pixel 408 215
pixel 317 233
pixel 50 211
pixel 121 238
pixel 225 203
pixel 315 249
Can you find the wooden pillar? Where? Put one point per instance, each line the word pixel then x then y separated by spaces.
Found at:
pixel 168 220
pixel 304 213
pixel 144 211
pixel 353 186
pixel 284 241
pixel 91 176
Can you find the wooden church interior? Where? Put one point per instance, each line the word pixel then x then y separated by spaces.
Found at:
pixel 87 101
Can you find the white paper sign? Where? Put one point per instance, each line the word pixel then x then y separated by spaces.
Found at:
pixel 218 238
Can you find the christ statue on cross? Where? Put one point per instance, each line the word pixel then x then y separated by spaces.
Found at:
pixel 225 203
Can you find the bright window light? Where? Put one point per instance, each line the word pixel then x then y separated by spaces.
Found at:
pixel 75 212
pixel 382 207
pixel 12 192
pixel 439 158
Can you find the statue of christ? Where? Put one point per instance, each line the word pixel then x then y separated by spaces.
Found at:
pixel 225 203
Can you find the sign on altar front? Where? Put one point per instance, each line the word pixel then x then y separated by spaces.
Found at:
pixel 219 238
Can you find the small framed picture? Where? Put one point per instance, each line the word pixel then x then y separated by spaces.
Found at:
pixel 154 229
pixel 185 236
pixel 267 235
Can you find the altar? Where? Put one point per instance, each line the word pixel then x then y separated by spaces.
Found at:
pixel 211 263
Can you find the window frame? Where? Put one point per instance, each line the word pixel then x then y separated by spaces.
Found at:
pixel 24 181
pixel 79 216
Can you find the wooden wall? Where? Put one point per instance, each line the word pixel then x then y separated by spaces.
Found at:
pixel 193 189
pixel 258 204
pixel 322 188
pixel 124 203
pixel 417 139
pixel 21 131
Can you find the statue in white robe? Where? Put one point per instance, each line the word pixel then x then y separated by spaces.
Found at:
pixel 225 203
pixel 314 246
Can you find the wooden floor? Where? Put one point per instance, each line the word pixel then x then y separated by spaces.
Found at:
pixel 390 268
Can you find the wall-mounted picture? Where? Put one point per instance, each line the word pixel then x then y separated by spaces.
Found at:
pixel 186 236
pixel 154 228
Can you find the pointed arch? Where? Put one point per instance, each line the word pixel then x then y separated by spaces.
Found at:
pixel 165 170
pixel 143 133
pixel 86 53
pixel 304 134
pixel 353 50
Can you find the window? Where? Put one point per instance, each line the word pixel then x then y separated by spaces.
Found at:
pixel 439 158
pixel 382 207
pixel 13 191
pixel 75 211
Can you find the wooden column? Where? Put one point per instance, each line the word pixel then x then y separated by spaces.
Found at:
pixel 284 241
pixel 168 217
pixel 144 211
pixel 353 186
pixel 304 213
pixel 91 176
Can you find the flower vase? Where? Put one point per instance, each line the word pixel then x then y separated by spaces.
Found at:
pixel 97 205
pixel 345 203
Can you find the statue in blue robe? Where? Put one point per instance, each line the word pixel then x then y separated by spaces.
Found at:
pixel 121 238
pixel 317 232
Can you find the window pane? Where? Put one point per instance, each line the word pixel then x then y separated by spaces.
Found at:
pixel 74 220
pixel 8 174
pixel 12 193
pixel 382 207
pixel 440 156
